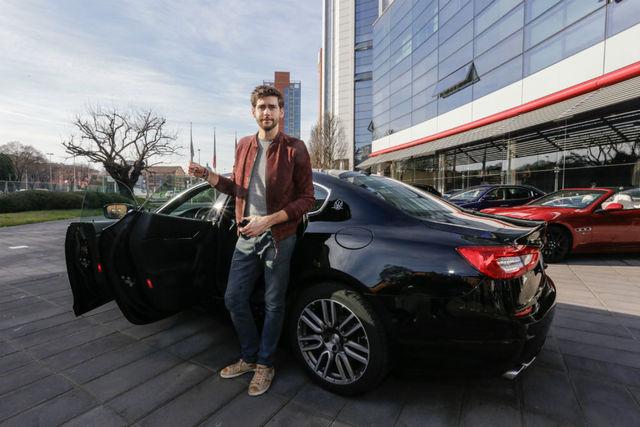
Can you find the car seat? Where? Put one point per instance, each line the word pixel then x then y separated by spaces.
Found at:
pixel 624 200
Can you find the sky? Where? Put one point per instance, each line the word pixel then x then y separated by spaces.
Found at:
pixel 189 61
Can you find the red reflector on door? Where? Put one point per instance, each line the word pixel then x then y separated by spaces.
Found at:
pixel 149 284
pixel 99 268
pixel 524 312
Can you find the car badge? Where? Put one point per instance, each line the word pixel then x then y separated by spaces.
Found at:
pixel 338 204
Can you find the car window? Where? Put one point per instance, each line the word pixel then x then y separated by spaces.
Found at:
pixel 196 204
pixel 471 194
pixel 625 198
pixel 320 194
pixel 569 198
pixel 495 194
pixel 518 193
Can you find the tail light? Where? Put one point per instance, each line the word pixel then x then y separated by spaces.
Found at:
pixel 501 262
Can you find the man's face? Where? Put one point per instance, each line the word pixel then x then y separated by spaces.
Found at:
pixel 267 112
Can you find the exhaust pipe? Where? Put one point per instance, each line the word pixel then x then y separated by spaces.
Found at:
pixel 513 373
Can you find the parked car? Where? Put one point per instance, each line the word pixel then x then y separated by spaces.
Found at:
pixel 490 196
pixel 582 220
pixel 381 271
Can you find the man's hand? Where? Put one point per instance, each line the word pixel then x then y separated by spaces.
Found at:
pixel 200 171
pixel 197 170
pixel 256 226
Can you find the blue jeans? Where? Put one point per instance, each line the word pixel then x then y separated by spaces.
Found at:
pixel 251 257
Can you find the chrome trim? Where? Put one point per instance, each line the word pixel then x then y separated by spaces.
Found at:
pixel 324 204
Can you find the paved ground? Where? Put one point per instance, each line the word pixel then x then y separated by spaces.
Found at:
pixel 100 370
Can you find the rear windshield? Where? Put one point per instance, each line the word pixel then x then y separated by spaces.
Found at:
pixel 569 198
pixel 404 197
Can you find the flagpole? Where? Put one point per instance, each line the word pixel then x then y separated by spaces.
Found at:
pixel 214 164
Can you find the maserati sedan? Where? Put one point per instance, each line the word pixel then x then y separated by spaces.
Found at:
pixel 382 271
pixel 584 220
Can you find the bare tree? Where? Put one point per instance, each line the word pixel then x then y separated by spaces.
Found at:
pixel 27 160
pixel 327 142
pixel 122 142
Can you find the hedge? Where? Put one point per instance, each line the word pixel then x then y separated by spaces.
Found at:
pixel 37 200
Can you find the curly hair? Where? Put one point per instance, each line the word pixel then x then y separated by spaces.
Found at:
pixel 266 90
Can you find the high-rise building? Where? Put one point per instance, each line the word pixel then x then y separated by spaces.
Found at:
pixel 346 61
pixel 540 92
pixel 291 92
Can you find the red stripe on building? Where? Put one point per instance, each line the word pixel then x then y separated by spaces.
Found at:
pixel 608 79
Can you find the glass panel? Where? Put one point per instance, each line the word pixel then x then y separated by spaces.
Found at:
pixel 499 54
pixel 454 43
pixel 505 27
pixel 427 79
pixel 400 123
pixel 455 61
pixel 458 21
pixel 425 113
pixel 494 12
pixel 621 16
pixel 423 98
pixel 557 18
pixel 497 79
pixel 535 8
pixel 578 37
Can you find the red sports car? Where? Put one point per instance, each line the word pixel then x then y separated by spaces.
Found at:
pixel 584 220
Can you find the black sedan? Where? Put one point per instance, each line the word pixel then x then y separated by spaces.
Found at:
pixel 381 271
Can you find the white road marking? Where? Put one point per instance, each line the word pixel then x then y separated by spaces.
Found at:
pixel 18 247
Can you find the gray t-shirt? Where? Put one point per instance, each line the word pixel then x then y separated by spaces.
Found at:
pixel 256 196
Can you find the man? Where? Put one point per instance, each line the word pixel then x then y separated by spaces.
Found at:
pixel 273 187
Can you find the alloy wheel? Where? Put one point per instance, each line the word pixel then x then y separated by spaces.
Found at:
pixel 557 245
pixel 333 341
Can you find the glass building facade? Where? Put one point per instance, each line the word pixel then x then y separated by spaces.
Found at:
pixel 366 12
pixel 432 56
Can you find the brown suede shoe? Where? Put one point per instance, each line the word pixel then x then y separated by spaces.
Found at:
pixel 236 369
pixel 261 380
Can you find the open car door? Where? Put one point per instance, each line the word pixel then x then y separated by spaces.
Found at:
pixel 152 264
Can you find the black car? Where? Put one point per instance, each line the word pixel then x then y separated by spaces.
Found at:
pixel 494 195
pixel 381 271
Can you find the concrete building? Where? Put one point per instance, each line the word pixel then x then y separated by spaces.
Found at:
pixel 346 76
pixel 292 101
pixel 540 92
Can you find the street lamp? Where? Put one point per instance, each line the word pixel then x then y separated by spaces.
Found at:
pixel 50 173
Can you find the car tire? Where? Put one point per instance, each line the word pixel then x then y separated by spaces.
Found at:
pixel 339 338
pixel 558 244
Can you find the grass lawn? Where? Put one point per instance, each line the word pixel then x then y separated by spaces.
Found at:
pixel 30 217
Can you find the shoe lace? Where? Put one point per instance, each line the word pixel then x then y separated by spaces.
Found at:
pixel 260 375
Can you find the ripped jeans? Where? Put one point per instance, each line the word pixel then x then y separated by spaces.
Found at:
pixel 251 257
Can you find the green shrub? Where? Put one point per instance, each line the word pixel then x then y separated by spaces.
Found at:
pixel 36 200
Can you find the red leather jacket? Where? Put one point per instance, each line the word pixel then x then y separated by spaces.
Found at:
pixel 289 183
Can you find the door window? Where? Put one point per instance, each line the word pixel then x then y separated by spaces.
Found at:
pixel 195 206
pixel 495 194
pixel 514 193
pixel 321 194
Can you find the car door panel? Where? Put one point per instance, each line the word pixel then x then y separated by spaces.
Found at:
pixel 154 263
pixel 88 283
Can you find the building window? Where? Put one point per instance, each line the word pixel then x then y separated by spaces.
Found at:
pixel 457 81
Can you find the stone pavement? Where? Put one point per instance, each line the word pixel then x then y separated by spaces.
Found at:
pixel 99 369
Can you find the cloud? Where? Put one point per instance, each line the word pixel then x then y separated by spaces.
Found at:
pixel 192 61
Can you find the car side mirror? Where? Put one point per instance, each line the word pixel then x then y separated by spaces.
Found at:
pixel 116 210
pixel 614 207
